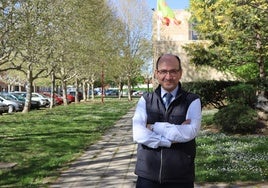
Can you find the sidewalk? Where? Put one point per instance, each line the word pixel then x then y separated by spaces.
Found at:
pixel 110 163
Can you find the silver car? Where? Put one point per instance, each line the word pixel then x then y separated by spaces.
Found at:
pixel 3 108
pixel 13 106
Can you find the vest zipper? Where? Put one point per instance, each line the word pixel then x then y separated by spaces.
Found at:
pixel 169 105
pixel 161 163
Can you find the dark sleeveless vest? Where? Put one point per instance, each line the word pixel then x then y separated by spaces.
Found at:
pixel 174 164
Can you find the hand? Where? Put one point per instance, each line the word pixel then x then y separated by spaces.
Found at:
pixel 187 121
pixel 149 126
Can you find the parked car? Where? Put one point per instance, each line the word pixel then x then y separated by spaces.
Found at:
pixel 44 100
pixel 21 96
pixel 70 98
pixel 57 98
pixel 3 108
pixel 13 106
pixel 80 95
pixel 137 93
pixel 94 91
pixel 111 92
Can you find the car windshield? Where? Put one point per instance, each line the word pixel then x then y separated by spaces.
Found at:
pixel 19 94
pixel 19 97
pixel 12 97
pixel 7 97
pixel 44 96
pixel 39 95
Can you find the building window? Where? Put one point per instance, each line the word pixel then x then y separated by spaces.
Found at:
pixel 192 33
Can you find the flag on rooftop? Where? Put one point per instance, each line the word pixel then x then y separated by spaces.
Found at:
pixel 166 14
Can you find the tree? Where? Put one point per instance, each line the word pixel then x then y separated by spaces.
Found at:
pixel 72 41
pixel 8 19
pixel 137 47
pixel 105 39
pixel 147 72
pixel 236 36
pixel 31 42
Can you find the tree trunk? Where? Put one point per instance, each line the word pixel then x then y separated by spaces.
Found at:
pixel 64 92
pixel 119 90
pixel 92 90
pixel 52 92
pixel 129 88
pixel 29 87
pixel 91 86
pixel 85 93
pixel 102 82
pixel 76 90
pixel 261 64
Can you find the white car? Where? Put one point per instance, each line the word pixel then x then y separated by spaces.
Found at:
pixel 137 93
pixel 44 100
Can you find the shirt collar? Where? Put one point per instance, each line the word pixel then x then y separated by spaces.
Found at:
pixel 174 92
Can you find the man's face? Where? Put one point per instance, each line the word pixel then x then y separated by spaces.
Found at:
pixel 168 73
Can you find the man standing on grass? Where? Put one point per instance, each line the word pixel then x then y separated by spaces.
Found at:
pixel 165 125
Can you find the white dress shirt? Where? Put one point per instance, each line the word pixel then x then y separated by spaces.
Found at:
pixel 164 133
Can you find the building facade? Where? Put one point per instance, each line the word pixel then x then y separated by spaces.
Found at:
pixel 172 38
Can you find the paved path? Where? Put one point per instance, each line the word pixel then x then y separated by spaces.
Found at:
pixel 110 163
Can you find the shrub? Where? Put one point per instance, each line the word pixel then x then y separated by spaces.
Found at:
pixel 211 92
pixel 261 84
pixel 242 93
pixel 236 118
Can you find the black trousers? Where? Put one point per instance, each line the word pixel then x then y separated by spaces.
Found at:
pixel 145 183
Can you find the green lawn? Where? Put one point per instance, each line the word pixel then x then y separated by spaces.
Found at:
pixel 42 142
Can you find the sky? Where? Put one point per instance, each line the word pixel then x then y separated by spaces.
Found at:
pixel 173 4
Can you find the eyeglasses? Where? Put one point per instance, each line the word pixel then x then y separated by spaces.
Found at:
pixel 173 72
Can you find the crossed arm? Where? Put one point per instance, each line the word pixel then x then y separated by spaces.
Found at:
pixel 150 126
pixel 164 133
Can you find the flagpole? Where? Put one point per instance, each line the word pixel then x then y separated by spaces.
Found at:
pixel 158 28
pixel 158 21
